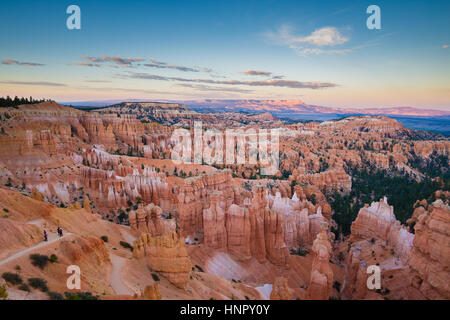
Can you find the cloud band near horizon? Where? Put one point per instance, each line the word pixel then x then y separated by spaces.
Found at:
pixel 261 83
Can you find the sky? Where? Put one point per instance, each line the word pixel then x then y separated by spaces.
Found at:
pixel 319 52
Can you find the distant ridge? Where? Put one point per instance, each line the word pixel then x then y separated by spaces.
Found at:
pixel 298 107
pixel 275 107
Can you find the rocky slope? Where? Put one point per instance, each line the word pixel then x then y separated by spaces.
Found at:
pixel 430 256
pixel 220 231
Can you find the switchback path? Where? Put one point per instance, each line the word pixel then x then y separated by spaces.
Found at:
pixel 52 237
pixel 116 281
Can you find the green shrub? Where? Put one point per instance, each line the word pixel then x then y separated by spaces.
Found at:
pixel 155 277
pixel 12 278
pixel 104 238
pixel 3 293
pixel 80 296
pixel 55 295
pixel 39 260
pixel 53 258
pixel 337 285
pixel 24 287
pixel 300 252
pixel 199 268
pixel 38 283
pixel 126 245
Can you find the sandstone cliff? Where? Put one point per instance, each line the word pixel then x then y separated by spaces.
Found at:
pixel 165 254
pixel 321 280
pixel 377 221
pixel 430 256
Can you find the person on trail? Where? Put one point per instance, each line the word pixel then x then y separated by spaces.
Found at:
pixel 45 236
pixel 60 233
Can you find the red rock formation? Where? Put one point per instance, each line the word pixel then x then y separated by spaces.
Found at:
pixel 98 132
pixel 215 233
pixel 257 208
pixel 113 191
pixel 430 256
pixel 78 249
pixel 35 194
pixel 333 179
pixel 165 254
pixel 193 198
pixel 276 250
pixel 378 222
pixel 151 293
pixel 87 204
pixel 321 280
pixel 301 220
pixel 280 290
pixel 238 226
pixel 149 219
pixel 355 283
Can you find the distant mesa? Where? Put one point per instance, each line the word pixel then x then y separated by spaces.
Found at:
pixel 286 107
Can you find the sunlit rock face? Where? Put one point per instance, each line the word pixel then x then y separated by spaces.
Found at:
pixel 301 221
pixel 321 280
pixel 355 286
pixel 193 196
pixel 247 230
pixel 113 190
pixel 334 179
pixel 280 290
pixel 150 219
pixel 165 254
pixel 430 256
pixel 377 221
pixel 261 225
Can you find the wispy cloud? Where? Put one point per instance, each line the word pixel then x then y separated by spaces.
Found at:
pixel 261 83
pixel 35 83
pixel 164 65
pixel 316 51
pixel 124 62
pixel 127 90
pixel 257 73
pixel 87 64
pixel 97 81
pixel 202 87
pixel 117 60
pixel 310 44
pixel 94 59
pixel 21 63
pixel 263 74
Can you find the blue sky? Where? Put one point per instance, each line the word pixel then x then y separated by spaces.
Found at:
pixel 320 52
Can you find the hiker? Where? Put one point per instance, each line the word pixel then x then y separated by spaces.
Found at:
pixel 45 236
pixel 60 233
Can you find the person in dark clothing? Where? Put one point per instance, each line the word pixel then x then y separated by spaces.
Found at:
pixel 60 232
pixel 45 236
